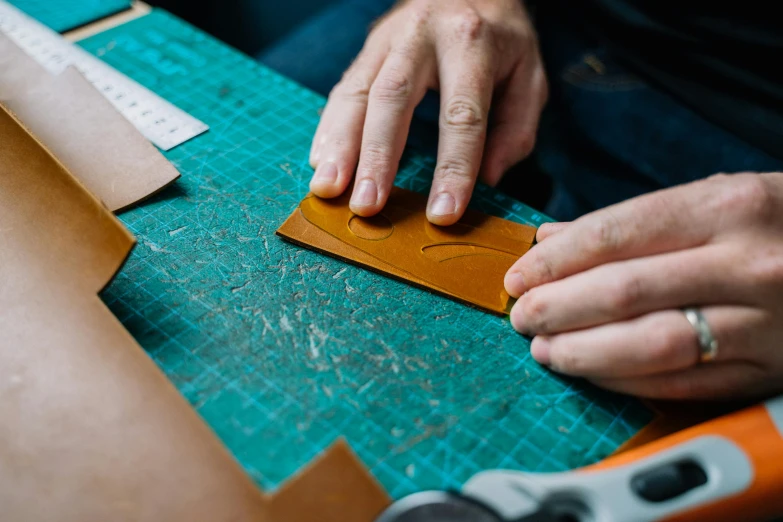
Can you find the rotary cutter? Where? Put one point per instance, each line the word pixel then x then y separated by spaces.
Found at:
pixel 726 470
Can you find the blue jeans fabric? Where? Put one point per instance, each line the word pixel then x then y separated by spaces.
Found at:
pixel 606 135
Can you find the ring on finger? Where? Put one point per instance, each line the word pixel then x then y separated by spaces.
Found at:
pixel 708 345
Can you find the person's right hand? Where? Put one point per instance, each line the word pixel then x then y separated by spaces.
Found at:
pixel 476 53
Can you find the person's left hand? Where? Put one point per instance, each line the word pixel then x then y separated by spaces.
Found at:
pixel 604 294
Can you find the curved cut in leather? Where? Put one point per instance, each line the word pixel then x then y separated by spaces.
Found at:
pixel 466 261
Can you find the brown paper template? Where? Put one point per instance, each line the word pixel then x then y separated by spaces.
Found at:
pixel 82 129
pixel 466 261
pixel 91 429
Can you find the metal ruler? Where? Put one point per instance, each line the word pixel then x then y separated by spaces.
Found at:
pixel 159 121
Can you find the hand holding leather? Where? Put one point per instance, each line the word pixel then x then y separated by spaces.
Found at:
pixel 604 294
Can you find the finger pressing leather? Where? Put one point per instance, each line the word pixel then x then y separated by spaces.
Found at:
pixel 663 221
pixel 655 343
pixel 626 289
pixel 399 87
pixel 354 86
pixel 335 150
pixel 466 76
pixel 550 229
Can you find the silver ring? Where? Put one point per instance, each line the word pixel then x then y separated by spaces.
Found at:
pixel 708 346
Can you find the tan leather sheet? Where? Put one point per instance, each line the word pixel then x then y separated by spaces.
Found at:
pixel 82 129
pixel 466 261
pixel 91 429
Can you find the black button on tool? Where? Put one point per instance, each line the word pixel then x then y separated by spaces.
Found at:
pixel 668 481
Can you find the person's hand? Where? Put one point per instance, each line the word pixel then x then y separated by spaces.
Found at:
pixel 604 294
pixel 476 53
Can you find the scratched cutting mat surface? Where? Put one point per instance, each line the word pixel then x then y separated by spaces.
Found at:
pixel 64 15
pixel 282 350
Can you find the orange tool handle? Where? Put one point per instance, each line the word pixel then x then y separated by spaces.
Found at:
pixel 758 432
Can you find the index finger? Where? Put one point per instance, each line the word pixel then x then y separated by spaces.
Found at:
pixel 655 223
pixel 399 87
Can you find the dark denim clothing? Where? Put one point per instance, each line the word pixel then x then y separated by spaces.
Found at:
pixel 609 135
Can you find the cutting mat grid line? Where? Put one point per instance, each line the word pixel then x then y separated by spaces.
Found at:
pixel 64 15
pixel 282 350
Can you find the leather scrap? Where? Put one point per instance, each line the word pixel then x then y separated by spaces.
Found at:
pixel 88 418
pixel 82 129
pixel 466 261
pixel 335 487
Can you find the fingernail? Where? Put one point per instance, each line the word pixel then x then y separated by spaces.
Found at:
pixel 366 194
pixel 443 205
pixel 518 320
pixel 514 284
pixel 325 174
pixel 539 349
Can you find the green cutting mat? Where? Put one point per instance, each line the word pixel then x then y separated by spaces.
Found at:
pixel 64 15
pixel 283 350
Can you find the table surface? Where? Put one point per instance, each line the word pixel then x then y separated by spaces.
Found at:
pixel 282 350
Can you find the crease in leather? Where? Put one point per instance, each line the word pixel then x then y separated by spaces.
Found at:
pixel 87 416
pixel 466 261
pixel 82 129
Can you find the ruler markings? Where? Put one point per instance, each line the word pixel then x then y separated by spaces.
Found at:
pixel 159 121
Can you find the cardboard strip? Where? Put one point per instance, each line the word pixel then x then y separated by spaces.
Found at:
pixel 81 128
pixel 88 419
pixel 466 261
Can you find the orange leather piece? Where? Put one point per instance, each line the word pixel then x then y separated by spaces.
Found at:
pixel 466 261
pixel 82 129
pixel 88 420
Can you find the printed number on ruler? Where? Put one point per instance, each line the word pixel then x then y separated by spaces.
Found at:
pixel 158 120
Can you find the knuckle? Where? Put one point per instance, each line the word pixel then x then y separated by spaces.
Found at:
pixel 671 344
pixel 462 112
pixel 604 236
pixel 766 268
pixel 353 85
pixel 374 158
pixel 408 50
pixel 745 195
pixel 565 358
pixel 658 203
pixel 341 142
pixel 534 310
pixel 391 86
pixel 627 293
pixel 418 19
pixel 541 269
pixel 468 25
pixel 454 172
pixel 720 177
pixel 760 203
